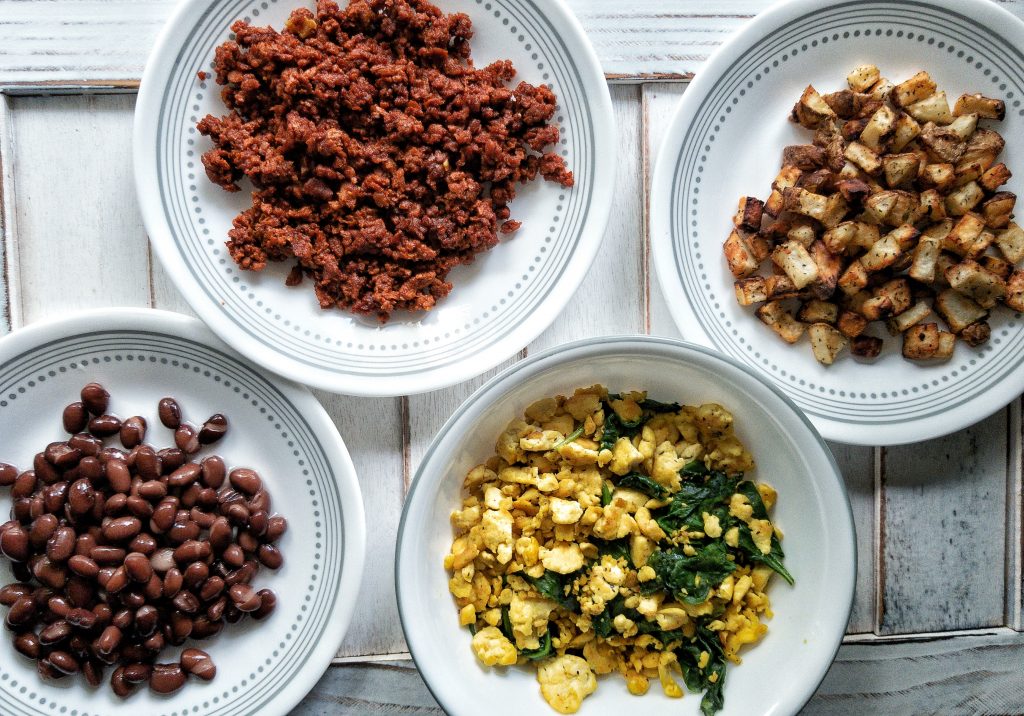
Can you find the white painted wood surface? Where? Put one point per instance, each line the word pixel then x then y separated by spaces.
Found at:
pixel 938 524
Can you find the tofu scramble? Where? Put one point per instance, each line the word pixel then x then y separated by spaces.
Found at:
pixel 614 533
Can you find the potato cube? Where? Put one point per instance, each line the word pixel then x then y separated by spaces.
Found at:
pixel 854 278
pixel 905 319
pixel 958 310
pixel 794 259
pixel 750 290
pixel 786 178
pixel 773 315
pixel 933 205
pixel 854 191
pixel 806 157
pixel 995 265
pixel 938 176
pixel 876 307
pixel 971 279
pixel 818 311
pixel 917 88
pixel 965 237
pixel 994 177
pixel 829 210
pixel 1011 243
pixel 943 145
pixel 1015 291
pixel 780 286
pixel 906 236
pixel 964 199
pixel 893 207
pixel 900 169
pixel 812 110
pixel 905 131
pixel 839 237
pixel 921 341
pixel 748 215
pixel 883 254
pixel 979 153
pixel 829 265
pixel 998 210
pixel 964 125
pixel 863 77
pixel 802 232
pixel 866 346
pixel 826 342
pixel 926 254
pixel 877 130
pixel 947 343
pixel 739 256
pixel 851 324
pixel 980 105
pixel 932 109
pixel 864 157
pixel 897 290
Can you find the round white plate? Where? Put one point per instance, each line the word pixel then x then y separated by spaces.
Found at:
pixel 499 303
pixel 276 427
pixel 779 674
pixel 726 142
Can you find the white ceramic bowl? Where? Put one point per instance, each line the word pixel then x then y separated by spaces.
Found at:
pixel 780 673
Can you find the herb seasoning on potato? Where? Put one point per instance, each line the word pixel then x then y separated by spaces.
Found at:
pixel 614 533
pixel 892 212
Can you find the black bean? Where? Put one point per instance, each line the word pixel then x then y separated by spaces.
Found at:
pixel 187 438
pixel 8 474
pixel 27 644
pixel 214 471
pixel 198 663
pixel 170 413
pixel 75 417
pixel 103 426
pixel 133 431
pixel 215 427
pixel 95 398
pixel 166 678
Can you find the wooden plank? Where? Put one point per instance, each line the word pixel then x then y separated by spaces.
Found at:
pixel 942 528
pixel 8 299
pixel 103 44
pixel 1015 519
pixel 938 674
pixel 373 432
pixel 609 301
pixel 79 234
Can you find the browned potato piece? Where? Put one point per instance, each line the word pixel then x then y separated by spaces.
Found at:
pixel 829 210
pixel 921 342
pixel 741 259
pixel 897 290
pixel 773 315
pixel 863 78
pixel 932 109
pixel 826 342
pixel 964 126
pixel 786 178
pixel 876 307
pixel 906 236
pixel 806 157
pixel 905 319
pixel 938 176
pixel 893 207
pixel 818 311
pixel 780 286
pixel 947 342
pixel 851 324
pixel 1011 242
pixel 966 237
pixel 926 254
pixel 748 215
pixel 864 157
pixel 957 310
pixel 971 279
pixel 917 88
pixel 998 210
pixel 994 177
pixel 906 131
pixel 980 105
pixel 1015 291
pixel 976 333
pixel 964 199
pixel 866 346
pixel 839 237
pixel 885 252
pixel 933 205
pixel 829 265
pixel 944 146
pixel 794 259
pixel 803 231
pixel 995 265
pixel 900 169
pixel 812 110
pixel 979 154
pixel 854 278
pixel 750 291
pixel 875 133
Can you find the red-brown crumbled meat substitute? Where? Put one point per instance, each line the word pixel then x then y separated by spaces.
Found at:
pixel 381 157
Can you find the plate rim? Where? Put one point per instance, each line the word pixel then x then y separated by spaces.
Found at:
pixel 983 403
pixel 178 326
pixel 623 343
pixel 160 69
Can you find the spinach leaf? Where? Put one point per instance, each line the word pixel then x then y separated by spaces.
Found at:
pixel 690 579
pixel 665 637
pixel 746 540
pixel 643 483
pixel 695 497
pixel 569 438
pixel 656 406
pixel 694 467
pixel 541 652
pixel 472 629
pixel 616 548
pixel 552 585
pixel 602 624
pixel 606 494
pixel 611 432
pixel 698 679
pixel 506 625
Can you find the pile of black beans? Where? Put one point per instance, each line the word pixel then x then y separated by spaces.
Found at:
pixel 121 552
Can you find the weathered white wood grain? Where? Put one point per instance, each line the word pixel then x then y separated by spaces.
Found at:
pixel 952 675
pixel 943 534
pixel 611 297
pixel 8 254
pixel 372 429
pixel 104 43
pixel 1014 616
pixel 79 234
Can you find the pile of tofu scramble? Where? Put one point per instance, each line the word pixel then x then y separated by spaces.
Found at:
pixel 612 533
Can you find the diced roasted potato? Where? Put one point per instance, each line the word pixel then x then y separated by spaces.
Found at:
pixel 958 310
pixel 786 178
pixel 806 157
pixel 839 237
pixel 976 333
pixel 877 130
pixel 750 290
pixel 780 286
pixel 971 279
pixel 812 110
pixel 794 259
pixel 1015 291
pixel 933 205
pixel 943 145
pixel 964 125
pixel 944 263
pixel 741 259
pixel 897 290
pixel 998 210
pixel 773 315
pixel 845 103
pixel 926 254
pixel 1011 243
pixel 818 311
pixel 866 236
pixel 863 78
pixel 883 254
pixel 864 157
pixel 978 155
pixel 829 265
pixel 932 109
pixel 851 324
pixel 853 279
pixel 866 346
pixel 905 319
pixel 906 236
pixel 917 88
pixel 921 341
pixel 965 237
pixel 829 210
pixel 938 176
pixel 964 199
pixel 995 265
pixel 876 307
pixel 905 131
pixel 893 207
pixel 947 344
pixel 900 169
pixel 748 214
pixel 759 246
pixel 994 177
pixel 829 138
pixel 820 181
pixel 826 342
pixel 853 190
pixel 980 105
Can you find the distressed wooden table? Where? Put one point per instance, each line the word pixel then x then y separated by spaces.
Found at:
pixel 936 625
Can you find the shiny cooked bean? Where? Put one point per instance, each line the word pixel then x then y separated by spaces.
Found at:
pixel 121 552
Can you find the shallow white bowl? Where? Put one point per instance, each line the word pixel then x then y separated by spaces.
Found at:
pixel 780 673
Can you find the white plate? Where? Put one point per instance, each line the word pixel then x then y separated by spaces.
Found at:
pixel 780 673
pixel 276 427
pixel 726 141
pixel 499 303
